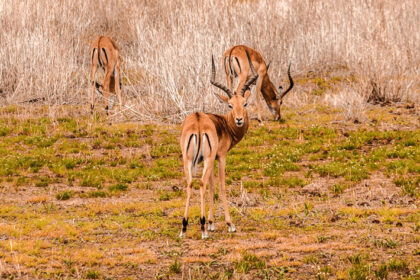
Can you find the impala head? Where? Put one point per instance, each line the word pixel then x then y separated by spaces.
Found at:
pixel 276 103
pixel 238 104
pixel 237 101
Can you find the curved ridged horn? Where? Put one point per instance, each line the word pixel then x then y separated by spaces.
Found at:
pixel 290 81
pixel 253 78
pixel 213 77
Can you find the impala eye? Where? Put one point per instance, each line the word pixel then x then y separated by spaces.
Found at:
pixel 230 106
pixel 245 104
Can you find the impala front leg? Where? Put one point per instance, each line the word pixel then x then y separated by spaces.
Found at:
pixel 92 79
pixel 107 81
pixel 222 166
pixel 259 95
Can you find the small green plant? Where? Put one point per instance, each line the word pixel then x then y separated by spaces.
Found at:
pixel 48 207
pixel 323 273
pixel 355 259
pixel 118 188
pixel 397 265
pixel 92 274
pixel 248 262
pixel 265 193
pixel 228 273
pixel 308 208
pixel 337 189
pixel 164 196
pixel 21 181
pixel 43 182
pixel 97 194
pixel 382 272
pixel 293 182
pixel 175 267
pixel 65 195
pixel 386 243
pixel 359 270
pixel 321 239
pixel 409 186
pixel 4 130
pixel 70 163
pixel 311 259
pixel 92 179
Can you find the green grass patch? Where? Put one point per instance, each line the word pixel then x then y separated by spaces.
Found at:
pixel 248 262
pixel 118 188
pixel 409 185
pixel 65 195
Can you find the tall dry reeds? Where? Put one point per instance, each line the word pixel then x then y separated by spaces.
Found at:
pixel 166 47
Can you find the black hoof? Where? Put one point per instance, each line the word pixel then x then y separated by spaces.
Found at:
pixel 184 225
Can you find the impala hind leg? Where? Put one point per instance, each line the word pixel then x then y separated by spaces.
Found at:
pixel 222 166
pixel 208 168
pixel 188 175
pixel 118 83
pixel 210 225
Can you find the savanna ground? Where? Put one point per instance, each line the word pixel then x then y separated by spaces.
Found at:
pixel 313 197
pixel 331 192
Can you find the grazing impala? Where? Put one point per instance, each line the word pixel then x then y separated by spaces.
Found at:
pixel 106 55
pixel 207 137
pixel 236 66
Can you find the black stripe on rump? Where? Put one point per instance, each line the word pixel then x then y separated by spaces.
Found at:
pixel 197 115
pixel 237 61
pixel 230 66
pixel 93 53
pixel 208 141
pixel 189 142
pixel 106 57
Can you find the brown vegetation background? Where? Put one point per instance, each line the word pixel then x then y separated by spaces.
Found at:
pixel 166 47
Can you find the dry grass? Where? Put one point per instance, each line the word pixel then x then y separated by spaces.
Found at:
pixel 166 48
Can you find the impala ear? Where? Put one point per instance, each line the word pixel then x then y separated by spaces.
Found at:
pixel 222 98
pixel 279 93
pixel 247 94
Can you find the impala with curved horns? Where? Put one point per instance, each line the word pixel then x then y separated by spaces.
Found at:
pixel 208 137
pixel 236 66
pixel 106 55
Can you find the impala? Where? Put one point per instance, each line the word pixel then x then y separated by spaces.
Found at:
pixel 208 137
pixel 106 55
pixel 236 66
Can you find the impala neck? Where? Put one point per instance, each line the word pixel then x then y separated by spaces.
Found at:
pixel 268 89
pixel 236 133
